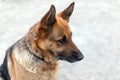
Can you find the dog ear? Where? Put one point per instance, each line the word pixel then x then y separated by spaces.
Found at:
pixel 47 22
pixel 49 18
pixel 67 12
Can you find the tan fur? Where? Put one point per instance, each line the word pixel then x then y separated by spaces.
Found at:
pixel 42 42
pixel 24 66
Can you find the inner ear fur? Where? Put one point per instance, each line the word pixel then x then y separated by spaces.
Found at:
pixel 47 22
pixel 65 14
pixel 49 18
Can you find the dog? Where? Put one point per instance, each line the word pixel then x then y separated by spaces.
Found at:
pixel 36 55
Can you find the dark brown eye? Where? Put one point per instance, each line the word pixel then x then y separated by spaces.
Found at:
pixel 63 40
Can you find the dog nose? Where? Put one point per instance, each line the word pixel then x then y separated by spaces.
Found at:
pixel 77 56
pixel 80 57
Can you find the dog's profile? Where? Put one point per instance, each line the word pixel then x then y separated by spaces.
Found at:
pixel 36 56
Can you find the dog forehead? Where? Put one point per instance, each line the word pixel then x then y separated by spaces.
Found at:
pixel 62 25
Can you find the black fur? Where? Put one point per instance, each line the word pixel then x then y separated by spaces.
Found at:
pixel 4 67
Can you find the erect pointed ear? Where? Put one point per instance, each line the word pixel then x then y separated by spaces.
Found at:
pixel 49 18
pixel 47 22
pixel 67 12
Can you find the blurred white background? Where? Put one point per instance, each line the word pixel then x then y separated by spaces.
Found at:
pixel 96 31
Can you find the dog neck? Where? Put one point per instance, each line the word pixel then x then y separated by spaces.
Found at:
pixel 28 47
pixel 39 53
pixel 29 61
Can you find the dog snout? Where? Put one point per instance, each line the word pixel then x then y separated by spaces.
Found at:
pixel 77 56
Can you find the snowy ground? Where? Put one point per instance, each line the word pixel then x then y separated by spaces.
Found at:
pixel 96 31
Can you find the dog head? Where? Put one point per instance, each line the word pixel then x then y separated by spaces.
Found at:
pixel 54 36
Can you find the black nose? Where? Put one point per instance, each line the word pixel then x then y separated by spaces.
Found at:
pixel 77 56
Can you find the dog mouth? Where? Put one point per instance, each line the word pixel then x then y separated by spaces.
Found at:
pixel 71 59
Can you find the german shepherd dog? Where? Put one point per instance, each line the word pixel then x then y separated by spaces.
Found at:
pixel 36 55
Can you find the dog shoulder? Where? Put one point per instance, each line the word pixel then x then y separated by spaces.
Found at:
pixel 4 71
pixel 1 77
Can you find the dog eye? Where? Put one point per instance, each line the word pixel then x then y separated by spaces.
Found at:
pixel 63 40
